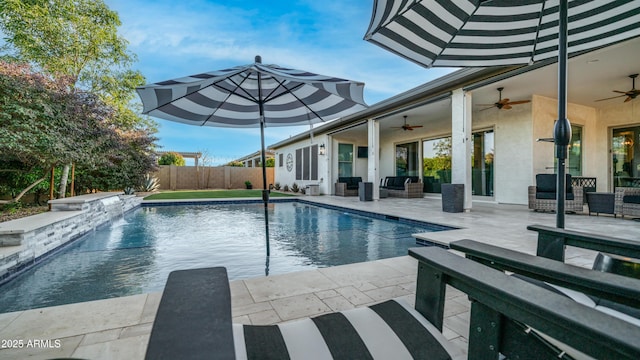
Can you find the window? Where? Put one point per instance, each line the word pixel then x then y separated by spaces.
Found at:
pixel 345 160
pixel 307 163
pixel 574 156
pixel 407 163
pixel 626 157
pixel 436 159
pixel 574 161
pixel 280 160
pixel 482 163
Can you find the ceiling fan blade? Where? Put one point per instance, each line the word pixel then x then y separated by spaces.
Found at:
pixel 506 107
pixel 503 101
pixel 416 126
pixel 619 92
pixel 488 107
pixel 629 98
pixel 609 98
pixel 518 102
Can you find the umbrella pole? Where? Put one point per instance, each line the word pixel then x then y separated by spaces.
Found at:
pixel 562 129
pixel 265 189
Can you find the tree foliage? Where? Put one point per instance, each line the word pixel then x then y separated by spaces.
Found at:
pixel 76 106
pixel 44 123
pixel 235 163
pixel 171 158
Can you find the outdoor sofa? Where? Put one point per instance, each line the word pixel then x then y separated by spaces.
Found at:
pixel 194 321
pixel 402 186
pixel 542 196
pixel 627 201
pixel 347 185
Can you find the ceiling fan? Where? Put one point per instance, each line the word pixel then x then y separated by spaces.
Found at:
pixel 631 94
pixel 503 104
pixel 406 126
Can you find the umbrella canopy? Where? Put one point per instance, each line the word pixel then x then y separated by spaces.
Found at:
pixel 482 33
pixel 240 96
pixel 477 33
pixel 253 96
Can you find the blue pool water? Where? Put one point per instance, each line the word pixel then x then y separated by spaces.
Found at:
pixel 136 253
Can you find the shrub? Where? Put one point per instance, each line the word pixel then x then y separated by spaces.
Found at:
pixel 150 184
pixel 277 186
pixel 235 164
pixel 295 188
pixel 286 188
pixel 171 158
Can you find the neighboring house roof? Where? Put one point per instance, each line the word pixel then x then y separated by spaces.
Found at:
pixel 257 154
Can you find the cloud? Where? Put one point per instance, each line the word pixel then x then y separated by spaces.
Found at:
pixel 174 39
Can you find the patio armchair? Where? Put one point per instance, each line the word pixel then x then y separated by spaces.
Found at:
pixel 194 321
pixel 347 185
pixel 542 196
pixel 627 201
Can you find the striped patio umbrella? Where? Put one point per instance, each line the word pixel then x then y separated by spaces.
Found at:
pixel 254 95
pixel 482 33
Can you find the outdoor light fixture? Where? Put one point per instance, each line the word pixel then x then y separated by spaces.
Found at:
pixel 322 149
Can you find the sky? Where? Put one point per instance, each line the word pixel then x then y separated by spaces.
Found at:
pixel 173 39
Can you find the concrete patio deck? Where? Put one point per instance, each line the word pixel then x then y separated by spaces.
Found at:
pixel 119 328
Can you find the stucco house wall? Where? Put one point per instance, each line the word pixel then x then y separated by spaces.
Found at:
pixel 284 176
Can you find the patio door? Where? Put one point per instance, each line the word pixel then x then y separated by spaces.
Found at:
pixel 407 162
pixel 625 152
pixel 482 163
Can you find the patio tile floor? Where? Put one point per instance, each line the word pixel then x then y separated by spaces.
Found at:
pixel 119 328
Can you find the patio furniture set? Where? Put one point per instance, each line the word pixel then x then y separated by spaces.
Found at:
pixel 625 201
pixel 393 186
pixel 547 308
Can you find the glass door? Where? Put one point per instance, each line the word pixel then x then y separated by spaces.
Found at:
pixel 436 159
pixel 625 152
pixel 407 159
pixel 482 163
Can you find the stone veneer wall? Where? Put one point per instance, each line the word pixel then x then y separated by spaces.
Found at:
pixel 25 241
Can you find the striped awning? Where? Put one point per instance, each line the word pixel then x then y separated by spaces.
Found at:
pixel 470 33
pixel 233 97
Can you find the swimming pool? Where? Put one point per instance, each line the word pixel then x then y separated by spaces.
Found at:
pixel 135 254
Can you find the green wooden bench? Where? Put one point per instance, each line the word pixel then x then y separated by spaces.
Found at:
pixel 552 242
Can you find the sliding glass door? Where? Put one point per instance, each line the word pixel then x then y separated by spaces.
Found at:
pixel 407 163
pixel 626 156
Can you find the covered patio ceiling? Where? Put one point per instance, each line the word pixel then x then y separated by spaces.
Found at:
pixel 591 76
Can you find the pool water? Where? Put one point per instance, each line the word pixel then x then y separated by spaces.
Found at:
pixel 135 254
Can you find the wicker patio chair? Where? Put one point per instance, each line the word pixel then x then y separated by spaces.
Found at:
pixel 542 196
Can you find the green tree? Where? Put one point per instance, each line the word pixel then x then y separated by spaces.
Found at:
pixel 270 162
pixel 77 40
pixel 235 163
pixel 171 158
pixel 42 124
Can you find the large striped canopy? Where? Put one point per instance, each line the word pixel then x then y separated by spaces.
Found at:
pixel 233 97
pixel 469 33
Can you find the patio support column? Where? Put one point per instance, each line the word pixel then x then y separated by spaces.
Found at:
pixel 373 160
pixel 461 143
